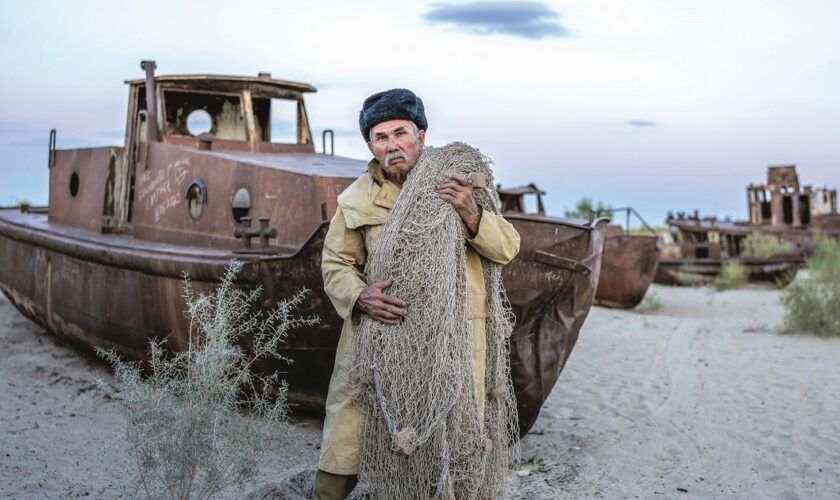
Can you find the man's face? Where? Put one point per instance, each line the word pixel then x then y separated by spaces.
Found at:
pixel 397 145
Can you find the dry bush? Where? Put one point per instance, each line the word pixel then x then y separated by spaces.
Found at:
pixel 733 274
pixel 185 424
pixel 813 304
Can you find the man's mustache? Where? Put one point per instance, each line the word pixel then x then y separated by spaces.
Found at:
pixel 393 155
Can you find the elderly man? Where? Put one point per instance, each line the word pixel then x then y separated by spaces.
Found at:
pixel 394 125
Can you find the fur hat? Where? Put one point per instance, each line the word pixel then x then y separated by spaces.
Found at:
pixel 394 104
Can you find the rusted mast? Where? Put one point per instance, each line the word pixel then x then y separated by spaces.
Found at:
pixel 152 133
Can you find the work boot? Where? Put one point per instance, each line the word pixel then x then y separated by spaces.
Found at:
pixel 332 486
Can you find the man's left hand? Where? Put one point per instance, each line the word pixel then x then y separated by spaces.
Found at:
pixel 459 192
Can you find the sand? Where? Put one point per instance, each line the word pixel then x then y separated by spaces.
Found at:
pixel 701 399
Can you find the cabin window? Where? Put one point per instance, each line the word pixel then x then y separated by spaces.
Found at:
pixel 766 210
pixel 276 120
pixel 284 121
pixel 241 204
pixel 199 122
pixel 196 198
pixel 701 253
pixel 530 203
pixel 74 184
pixel 804 210
pixel 787 209
pixel 224 110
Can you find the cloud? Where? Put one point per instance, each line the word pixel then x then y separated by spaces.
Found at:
pixel 640 123
pixel 532 20
pixel 9 127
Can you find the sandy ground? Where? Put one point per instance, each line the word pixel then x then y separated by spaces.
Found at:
pixel 702 399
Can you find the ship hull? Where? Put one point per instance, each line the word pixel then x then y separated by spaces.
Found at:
pixel 628 268
pixel 776 270
pixel 551 286
pixel 113 292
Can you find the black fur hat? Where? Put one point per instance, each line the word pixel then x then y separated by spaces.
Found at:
pixel 394 104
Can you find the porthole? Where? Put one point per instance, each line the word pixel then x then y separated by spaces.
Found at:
pixel 199 122
pixel 196 198
pixel 74 184
pixel 241 204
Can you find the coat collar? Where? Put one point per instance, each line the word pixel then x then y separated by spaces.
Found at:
pixel 375 170
pixel 369 200
pixel 388 191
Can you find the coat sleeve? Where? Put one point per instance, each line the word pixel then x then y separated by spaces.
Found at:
pixel 341 265
pixel 496 239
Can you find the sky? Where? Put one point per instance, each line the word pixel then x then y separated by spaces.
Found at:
pixel 658 105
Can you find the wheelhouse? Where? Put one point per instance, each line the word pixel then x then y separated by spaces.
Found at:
pixel 258 114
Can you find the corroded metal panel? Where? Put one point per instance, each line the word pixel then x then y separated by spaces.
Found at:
pixel 550 302
pixel 79 183
pixel 627 270
pixel 293 201
pixel 92 299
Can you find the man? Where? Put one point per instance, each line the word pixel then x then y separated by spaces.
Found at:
pixel 394 125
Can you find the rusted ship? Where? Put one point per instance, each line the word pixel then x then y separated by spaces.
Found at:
pixel 629 260
pixel 101 265
pixel 551 286
pixel 629 264
pixel 794 215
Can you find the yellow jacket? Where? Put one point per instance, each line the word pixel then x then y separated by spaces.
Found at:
pixel 362 209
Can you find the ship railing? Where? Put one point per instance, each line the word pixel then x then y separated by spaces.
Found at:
pixel 324 141
pixel 632 211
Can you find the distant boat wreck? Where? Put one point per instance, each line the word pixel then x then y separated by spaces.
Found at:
pixel 629 264
pixel 790 213
pixel 629 260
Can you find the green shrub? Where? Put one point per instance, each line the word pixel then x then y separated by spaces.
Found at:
pixel 23 205
pixel 733 274
pixel 813 304
pixel 185 428
pixel 586 207
pixel 826 259
pixel 763 245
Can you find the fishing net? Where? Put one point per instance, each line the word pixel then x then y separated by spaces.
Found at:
pixel 424 432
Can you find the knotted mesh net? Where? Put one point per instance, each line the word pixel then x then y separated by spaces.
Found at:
pixel 424 431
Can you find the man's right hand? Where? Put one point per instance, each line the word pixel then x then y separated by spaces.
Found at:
pixel 383 308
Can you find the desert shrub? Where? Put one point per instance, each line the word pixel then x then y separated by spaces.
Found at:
pixel 813 304
pixel 826 259
pixel 733 274
pixel 763 245
pixel 650 304
pixel 186 424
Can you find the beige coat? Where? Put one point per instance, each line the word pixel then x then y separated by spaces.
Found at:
pixel 362 209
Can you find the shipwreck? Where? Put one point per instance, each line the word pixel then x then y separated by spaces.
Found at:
pixel 629 260
pixel 216 167
pixel 795 215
